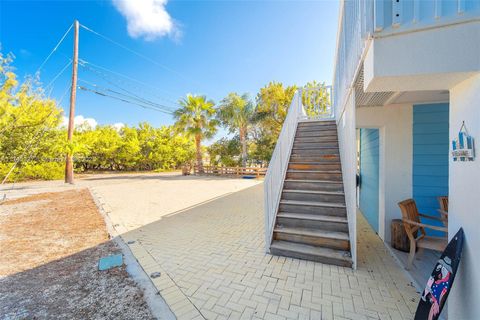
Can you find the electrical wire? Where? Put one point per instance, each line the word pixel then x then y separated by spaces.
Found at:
pixel 133 52
pixel 54 49
pixel 124 100
pixel 94 68
pixel 130 95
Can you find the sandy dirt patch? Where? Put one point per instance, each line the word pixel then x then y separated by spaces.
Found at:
pixel 49 249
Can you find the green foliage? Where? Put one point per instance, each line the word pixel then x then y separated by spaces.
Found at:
pixel 196 119
pixel 142 148
pixel 34 144
pixel 237 113
pixel 225 152
pixel 273 102
pixel 33 171
pixel 315 98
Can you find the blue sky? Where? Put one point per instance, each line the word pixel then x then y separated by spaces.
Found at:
pixel 210 47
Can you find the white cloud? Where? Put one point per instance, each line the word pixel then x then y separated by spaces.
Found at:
pixel 147 18
pixel 118 126
pixel 80 121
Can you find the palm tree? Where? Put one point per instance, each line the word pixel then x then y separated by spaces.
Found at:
pixel 195 117
pixel 236 113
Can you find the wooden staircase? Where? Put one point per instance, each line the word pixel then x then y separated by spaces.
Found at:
pixel 311 222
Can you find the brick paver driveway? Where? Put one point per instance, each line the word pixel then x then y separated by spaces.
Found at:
pixel 212 266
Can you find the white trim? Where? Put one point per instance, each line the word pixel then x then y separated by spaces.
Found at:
pixel 381 182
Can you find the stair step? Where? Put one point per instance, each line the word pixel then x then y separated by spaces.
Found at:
pixel 317 128
pixel 315 144
pixel 315 133
pixel 314 166
pixel 309 195
pixel 305 220
pixel 315 158
pixel 336 193
pixel 319 185
pixel 322 238
pixel 313 217
pixel 314 233
pixel 313 203
pixel 313 207
pixel 307 252
pixel 322 137
pixel 313 147
pixel 335 175
pixel 307 122
pixel 316 150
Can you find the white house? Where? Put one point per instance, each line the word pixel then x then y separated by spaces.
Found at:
pixel 407 76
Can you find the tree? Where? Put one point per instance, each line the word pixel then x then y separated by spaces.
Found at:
pixel 196 118
pixel 315 98
pixel 225 151
pixel 273 102
pixel 237 113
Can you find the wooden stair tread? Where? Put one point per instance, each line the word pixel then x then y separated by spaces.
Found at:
pixel 318 233
pixel 312 171
pixel 313 203
pixel 313 181
pixel 312 250
pixel 315 148
pixel 335 193
pixel 315 217
pixel 314 163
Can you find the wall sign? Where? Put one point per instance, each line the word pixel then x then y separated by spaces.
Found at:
pixel 463 147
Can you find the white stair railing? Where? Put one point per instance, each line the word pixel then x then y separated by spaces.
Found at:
pixel 278 165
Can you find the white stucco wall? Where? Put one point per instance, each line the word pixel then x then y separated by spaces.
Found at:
pixel 396 155
pixel 464 201
pixel 346 138
pixel 433 59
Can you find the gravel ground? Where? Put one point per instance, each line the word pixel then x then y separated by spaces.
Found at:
pixel 50 244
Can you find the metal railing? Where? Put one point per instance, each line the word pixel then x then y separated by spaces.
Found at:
pixel 317 103
pixel 355 27
pixel 278 165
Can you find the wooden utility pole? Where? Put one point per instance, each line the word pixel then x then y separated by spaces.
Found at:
pixel 73 96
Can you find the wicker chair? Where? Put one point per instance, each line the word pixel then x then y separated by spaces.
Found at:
pixel 413 226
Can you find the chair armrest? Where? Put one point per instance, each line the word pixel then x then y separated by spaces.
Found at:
pixel 443 212
pixel 426 216
pixel 442 229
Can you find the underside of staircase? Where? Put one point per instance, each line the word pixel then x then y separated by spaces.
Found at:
pixel 311 221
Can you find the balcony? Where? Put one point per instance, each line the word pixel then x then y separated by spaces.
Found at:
pixel 364 20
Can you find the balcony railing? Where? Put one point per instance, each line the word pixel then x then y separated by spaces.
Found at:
pixel 355 26
pixel 364 19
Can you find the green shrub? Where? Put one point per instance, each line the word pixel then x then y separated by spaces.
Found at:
pixel 33 171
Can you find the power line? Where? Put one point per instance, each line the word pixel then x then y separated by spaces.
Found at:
pixel 130 96
pixel 124 100
pixel 58 74
pixel 91 67
pixel 134 52
pixel 54 49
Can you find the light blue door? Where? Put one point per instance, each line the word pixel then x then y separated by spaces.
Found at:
pixel 369 172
